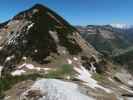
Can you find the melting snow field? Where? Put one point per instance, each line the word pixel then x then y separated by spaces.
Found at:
pixel 53 89
pixel 85 76
pixel 18 72
pixel 69 61
pixel 21 71
pixel 29 66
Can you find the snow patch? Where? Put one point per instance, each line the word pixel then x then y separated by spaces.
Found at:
pixel 87 79
pixel 18 72
pixel 21 66
pixel 74 58
pixel 35 50
pixel 93 68
pixel 46 69
pixel 31 25
pixel 9 58
pixel 1 48
pixel 29 66
pixel 32 67
pixel 24 58
pixel 1 67
pixel 69 61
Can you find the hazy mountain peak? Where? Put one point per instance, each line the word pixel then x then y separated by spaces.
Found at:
pixel 121 26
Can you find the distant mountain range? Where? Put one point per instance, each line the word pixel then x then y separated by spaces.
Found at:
pixel 122 26
pixel 115 41
pixel 106 38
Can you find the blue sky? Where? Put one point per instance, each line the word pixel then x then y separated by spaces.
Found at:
pixel 77 12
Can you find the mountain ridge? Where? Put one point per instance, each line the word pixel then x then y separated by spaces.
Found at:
pixel 38 33
pixel 43 57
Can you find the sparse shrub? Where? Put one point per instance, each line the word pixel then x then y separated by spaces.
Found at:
pixel 61 72
pixel 7 82
pixel 99 77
